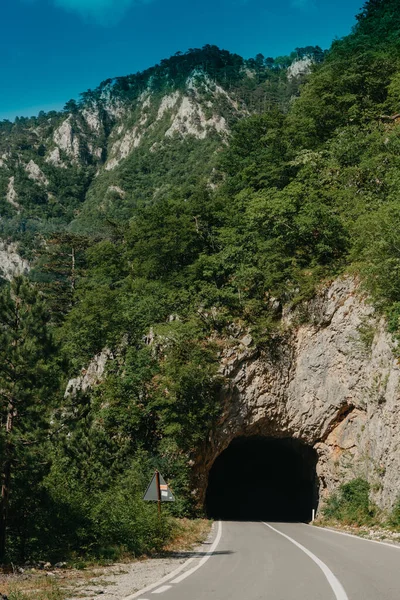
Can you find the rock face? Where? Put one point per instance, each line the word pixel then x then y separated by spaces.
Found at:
pixel 11 263
pixel 66 139
pixel 300 67
pixel 90 377
pixel 11 196
pixel 36 174
pixel 330 380
pixel 192 111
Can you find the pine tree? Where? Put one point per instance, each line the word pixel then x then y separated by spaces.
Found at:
pixel 27 381
pixel 58 270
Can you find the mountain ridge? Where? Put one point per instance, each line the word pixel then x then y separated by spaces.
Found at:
pixel 198 95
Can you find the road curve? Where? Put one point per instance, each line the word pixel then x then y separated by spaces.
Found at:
pixel 287 561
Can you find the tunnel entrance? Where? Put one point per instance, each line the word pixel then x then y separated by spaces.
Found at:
pixel 261 478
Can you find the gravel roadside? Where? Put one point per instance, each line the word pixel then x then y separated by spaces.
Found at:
pixel 376 534
pixel 121 580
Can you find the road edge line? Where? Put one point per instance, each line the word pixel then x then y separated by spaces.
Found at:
pixel 357 537
pixel 204 559
pixel 333 581
pixel 169 576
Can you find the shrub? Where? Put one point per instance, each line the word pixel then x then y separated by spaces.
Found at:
pixel 394 519
pixel 109 519
pixel 351 503
pixel 124 523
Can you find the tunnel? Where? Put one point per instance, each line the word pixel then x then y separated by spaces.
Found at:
pixel 262 478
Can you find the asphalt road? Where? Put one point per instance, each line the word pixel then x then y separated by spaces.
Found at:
pixel 254 561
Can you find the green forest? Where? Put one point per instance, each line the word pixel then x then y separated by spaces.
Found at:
pixel 307 188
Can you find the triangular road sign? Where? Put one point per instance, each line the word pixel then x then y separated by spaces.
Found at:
pixel 152 494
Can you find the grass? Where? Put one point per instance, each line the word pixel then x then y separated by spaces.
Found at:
pixel 40 586
pixel 188 533
pixel 34 587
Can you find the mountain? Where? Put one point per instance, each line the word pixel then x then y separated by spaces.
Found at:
pixel 132 138
pixel 214 253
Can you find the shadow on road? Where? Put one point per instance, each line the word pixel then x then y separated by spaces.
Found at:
pixel 191 554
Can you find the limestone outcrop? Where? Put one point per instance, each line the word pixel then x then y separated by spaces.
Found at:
pixel 91 376
pixel 11 263
pixel 330 379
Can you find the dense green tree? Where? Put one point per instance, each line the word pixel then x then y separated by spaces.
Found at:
pixel 27 383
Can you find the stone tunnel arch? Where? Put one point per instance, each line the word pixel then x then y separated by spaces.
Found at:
pixel 263 478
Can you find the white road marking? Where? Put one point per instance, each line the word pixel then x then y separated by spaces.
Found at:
pixel 204 559
pixel 358 537
pixel 335 584
pixel 162 589
pixel 169 576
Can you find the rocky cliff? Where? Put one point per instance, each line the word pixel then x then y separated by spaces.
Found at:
pixel 330 380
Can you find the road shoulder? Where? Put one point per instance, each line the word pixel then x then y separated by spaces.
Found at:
pixel 125 580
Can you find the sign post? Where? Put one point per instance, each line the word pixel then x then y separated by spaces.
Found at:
pixel 158 494
pixel 158 491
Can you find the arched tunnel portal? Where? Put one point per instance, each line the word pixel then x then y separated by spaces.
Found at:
pixel 263 478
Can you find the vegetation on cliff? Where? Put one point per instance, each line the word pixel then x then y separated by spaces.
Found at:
pixel 351 507
pixel 305 189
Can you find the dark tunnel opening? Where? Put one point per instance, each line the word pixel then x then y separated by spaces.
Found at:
pixel 261 478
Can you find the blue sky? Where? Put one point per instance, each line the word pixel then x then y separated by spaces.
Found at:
pixel 51 50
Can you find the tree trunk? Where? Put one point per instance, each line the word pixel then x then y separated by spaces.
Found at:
pixel 6 482
pixel 73 269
